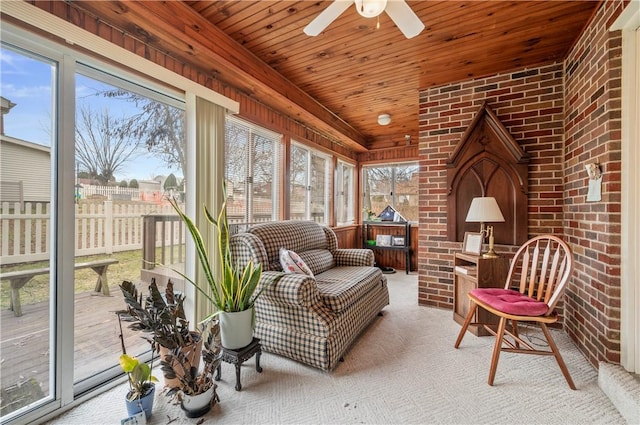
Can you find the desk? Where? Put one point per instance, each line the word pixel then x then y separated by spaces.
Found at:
pixel 239 356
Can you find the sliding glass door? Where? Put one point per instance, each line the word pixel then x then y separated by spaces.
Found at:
pixel 129 159
pixel 28 149
pixel 89 155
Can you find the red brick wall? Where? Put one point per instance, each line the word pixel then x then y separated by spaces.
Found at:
pixel 565 115
pixel 529 104
pixel 592 134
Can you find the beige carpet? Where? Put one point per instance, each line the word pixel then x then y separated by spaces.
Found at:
pixel 402 370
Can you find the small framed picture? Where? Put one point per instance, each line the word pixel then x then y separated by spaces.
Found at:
pixel 383 240
pixel 397 240
pixel 472 243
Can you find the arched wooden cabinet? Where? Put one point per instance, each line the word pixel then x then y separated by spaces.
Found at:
pixel 488 162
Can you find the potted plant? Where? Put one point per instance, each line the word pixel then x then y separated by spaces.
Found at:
pixel 162 317
pixel 369 212
pixel 141 385
pixel 196 388
pixel 234 294
pixel 141 381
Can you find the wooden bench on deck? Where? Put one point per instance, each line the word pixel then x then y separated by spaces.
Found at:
pixel 19 278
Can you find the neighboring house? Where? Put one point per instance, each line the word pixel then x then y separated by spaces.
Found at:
pixel 150 185
pixel 20 183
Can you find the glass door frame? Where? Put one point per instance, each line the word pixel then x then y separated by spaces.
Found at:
pixel 64 392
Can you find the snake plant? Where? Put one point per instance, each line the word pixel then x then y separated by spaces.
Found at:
pixel 236 289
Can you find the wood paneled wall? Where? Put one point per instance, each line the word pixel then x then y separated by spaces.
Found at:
pixel 250 109
pixel 351 237
pixel 389 155
pixel 348 236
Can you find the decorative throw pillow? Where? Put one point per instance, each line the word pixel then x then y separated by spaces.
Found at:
pixel 292 263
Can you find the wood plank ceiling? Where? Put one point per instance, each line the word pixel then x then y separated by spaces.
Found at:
pixel 353 70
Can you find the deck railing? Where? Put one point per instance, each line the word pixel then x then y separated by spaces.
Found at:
pixel 166 233
pixel 105 227
pixel 163 236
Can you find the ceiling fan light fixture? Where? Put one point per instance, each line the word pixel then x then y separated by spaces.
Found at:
pixel 398 10
pixel 384 119
pixel 370 8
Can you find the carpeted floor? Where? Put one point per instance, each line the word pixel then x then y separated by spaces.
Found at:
pixel 402 370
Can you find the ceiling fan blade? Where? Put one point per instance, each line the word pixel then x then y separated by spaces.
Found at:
pixel 406 20
pixel 327 16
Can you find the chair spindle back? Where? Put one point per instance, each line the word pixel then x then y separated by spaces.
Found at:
pixel 544 265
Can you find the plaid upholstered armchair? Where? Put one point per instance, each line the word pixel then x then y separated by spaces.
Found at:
pixel 312 318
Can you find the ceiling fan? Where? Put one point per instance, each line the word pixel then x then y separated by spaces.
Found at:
pixel 398 10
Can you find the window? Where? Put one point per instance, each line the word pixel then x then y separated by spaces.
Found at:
pixel 252 172
pixel 345 193
pixel 395 185
pixel 309 184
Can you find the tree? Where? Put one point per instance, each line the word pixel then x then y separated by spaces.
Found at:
pixel 123 183
pixel 397 184
pixel 158 126
pixel 170 183
pixel 133 184
pixel 101 148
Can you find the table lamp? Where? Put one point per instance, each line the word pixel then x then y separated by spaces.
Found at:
pixel 485 210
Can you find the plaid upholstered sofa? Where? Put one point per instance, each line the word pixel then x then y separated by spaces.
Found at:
pixel 312 320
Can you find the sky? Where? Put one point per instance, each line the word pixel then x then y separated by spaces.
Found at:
pixel 27 82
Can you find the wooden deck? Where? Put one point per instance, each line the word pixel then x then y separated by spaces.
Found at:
pixel 24 341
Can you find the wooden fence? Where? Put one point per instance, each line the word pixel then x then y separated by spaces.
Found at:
pixel 117 193
pixel 100 228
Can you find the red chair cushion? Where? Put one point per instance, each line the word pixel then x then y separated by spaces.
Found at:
pixel 510 301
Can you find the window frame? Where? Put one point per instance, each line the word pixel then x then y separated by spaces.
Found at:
pixel 393 195
pixel 350 200
pixel 328 185
pixel 278 172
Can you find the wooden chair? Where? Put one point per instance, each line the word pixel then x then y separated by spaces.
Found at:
pixel 540 270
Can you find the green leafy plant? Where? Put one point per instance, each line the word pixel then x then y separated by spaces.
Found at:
pixel 236 290
pixel 369 212
pixel 140 378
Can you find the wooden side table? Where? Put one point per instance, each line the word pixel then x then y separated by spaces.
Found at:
pixel 239 356
pixel 471 272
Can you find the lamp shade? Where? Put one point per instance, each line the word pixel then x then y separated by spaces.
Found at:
pixel 484 210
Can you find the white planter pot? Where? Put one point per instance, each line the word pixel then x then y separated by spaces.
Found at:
pixel 236 329
pixel 195 406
